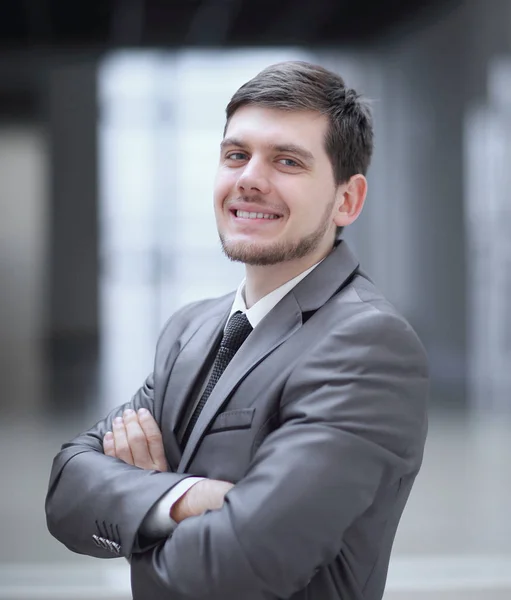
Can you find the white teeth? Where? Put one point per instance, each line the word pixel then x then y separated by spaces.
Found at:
pixel 243 214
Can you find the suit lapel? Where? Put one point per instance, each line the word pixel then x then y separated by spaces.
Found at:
pixel 274 329
pixel 327 279
pixel 197 345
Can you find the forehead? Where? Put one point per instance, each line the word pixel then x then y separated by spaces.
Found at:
pixel 269 126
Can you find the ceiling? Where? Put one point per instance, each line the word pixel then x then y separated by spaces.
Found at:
pixel 34 31
pixel 99 24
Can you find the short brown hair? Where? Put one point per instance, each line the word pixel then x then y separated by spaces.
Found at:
pixel 297 85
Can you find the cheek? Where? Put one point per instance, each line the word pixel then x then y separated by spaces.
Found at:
pixel 310 200
pixel 300 199
pixel 224 184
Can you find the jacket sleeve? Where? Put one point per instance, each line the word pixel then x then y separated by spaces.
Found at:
pixel 353 421
pixel 95 503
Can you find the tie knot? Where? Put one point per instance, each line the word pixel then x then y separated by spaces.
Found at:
pixel 236 332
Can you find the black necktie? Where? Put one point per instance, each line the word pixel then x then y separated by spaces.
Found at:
pixel 236 332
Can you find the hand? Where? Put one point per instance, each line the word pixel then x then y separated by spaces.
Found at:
pixel 207 494
pixel 136 439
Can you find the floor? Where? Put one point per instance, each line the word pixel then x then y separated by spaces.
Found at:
pixel 454 540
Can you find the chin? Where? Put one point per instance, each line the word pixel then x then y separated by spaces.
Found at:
pixel 265 254
pixel 250 253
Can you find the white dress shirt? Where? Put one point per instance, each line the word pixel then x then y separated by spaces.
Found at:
pixel 158 522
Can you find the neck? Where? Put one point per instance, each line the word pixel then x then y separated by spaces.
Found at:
pixel 262 280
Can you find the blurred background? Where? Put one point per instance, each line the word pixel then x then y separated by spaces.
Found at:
pixel 111 113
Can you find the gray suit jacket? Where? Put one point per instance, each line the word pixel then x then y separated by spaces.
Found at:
pixel 319 420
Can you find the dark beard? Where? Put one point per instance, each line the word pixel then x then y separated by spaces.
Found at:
pixel 262 256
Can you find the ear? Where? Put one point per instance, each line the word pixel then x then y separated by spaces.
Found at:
pixel 351 198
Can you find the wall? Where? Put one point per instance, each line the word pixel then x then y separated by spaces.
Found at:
pixel 71 103
pixel 23 264
pixel 411 237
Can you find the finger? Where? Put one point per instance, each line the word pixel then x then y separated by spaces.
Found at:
pixel 137 441
pixel 109 444
pixel 154 439
pixel 122 448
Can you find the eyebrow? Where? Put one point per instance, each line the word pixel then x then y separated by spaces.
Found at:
pixel 306 155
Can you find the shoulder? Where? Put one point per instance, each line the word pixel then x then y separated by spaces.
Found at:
pixel 360 316
pixel 181 326
pixel 369 368
pixel 193 315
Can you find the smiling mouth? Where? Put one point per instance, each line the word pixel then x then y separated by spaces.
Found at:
pixel 243 214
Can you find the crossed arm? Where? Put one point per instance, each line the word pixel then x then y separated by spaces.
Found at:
pixel 352 423
pixel 136 439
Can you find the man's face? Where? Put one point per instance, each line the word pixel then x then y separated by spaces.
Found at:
pixel 275 194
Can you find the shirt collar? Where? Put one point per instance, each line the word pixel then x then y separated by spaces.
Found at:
pixel 255 314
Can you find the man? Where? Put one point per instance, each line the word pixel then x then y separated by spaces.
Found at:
pixel 272 450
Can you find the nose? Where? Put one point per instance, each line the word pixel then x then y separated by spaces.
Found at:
pixel 254 177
